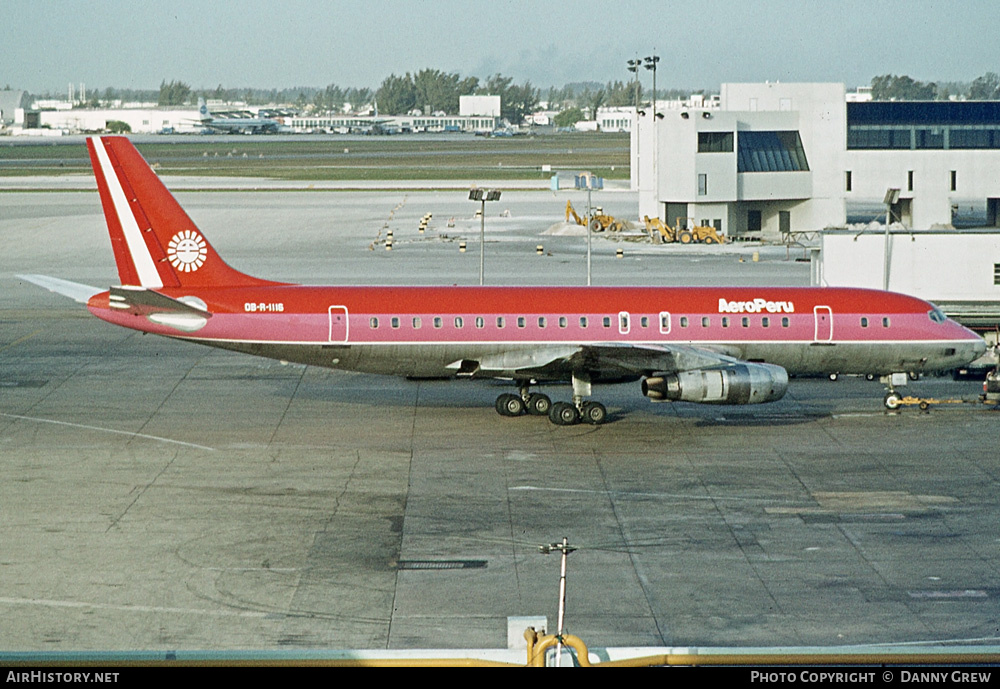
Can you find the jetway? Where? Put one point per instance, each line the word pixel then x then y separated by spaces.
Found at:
pixel 959 270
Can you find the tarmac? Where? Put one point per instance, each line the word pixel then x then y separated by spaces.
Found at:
pixel 159 495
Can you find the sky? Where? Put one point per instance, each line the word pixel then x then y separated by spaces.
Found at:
pixel 46 44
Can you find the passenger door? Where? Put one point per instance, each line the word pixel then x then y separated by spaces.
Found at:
pixel 338 324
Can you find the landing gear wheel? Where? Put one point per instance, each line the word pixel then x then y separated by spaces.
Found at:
pixel 539 404
pixel 594 413
pixel 564 414
pixel 893 401
pixel 924 405
pixel 869 376
pixel 509 405
pixel 913 375
pixel 834 376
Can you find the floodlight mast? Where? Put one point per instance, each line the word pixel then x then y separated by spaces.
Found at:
pixel 650 63
pixel 565 549
pixel 483 195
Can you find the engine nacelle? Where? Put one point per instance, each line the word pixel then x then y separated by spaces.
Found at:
pixel 736 384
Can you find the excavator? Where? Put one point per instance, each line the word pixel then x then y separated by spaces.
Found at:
pixel 598 223
pixel 687 233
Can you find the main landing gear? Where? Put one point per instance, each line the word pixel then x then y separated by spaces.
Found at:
pixel 559 413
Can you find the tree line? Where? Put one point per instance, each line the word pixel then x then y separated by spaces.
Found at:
pixel 437 91
pixel 893 87
pixel 432 90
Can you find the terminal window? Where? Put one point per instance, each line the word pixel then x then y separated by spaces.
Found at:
pixel 925 125
pixel 765 151
pixel 715 142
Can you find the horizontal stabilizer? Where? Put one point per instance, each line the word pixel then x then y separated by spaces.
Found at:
pixel 187 313
pixel 73 290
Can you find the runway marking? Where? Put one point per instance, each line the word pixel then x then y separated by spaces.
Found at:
pixel 108 430
pixel 20 340
pixel 131 608
pixel 645 495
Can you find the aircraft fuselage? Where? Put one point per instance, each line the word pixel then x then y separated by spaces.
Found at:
pixel 430 331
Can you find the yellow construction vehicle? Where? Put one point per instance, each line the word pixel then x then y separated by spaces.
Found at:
pixel 598 223
pixel 689 233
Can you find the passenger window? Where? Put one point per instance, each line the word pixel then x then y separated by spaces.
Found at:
pixel 684 321
pixel 864 322
pixel 644 322
pixel 394 322
pixel 784 321
pixel 416 322
pixel 583 321
pixel 541 321
pixel 459 323
pixel 765 321
pixel 437 321
pixel 745 322
pixel 373 323
pixel 725 321
pixel 520 321
pixel 480 322
pixel 606 321
pixel 705 321
pixel 885 322
pixel 665 322
pixel 500 321
pixel 562 321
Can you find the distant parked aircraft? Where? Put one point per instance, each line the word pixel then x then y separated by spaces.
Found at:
pixel 235 125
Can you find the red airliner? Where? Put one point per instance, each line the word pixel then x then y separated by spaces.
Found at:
pixel 720 345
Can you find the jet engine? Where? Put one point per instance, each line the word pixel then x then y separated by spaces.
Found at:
pixel 743 383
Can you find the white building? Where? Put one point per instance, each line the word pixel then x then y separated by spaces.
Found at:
pixel 141 121
pixel 479 106
pixel 784 157
pixel 615 118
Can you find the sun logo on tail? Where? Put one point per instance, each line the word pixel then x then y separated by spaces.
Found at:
pixel 187 251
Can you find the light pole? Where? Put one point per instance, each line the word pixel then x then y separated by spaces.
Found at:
pixel 633 66
pixel 650 63
pixel 565 549
pixel 483 195
pixel 589 181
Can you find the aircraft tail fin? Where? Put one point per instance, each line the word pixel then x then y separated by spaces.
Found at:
pixel 155 243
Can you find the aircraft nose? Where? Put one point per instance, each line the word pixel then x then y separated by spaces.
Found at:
pixel 979 348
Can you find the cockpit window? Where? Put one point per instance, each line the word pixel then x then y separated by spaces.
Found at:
pixel 937 315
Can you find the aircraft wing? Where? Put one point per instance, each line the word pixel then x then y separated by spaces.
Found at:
pixel 606 360
pixel 74 290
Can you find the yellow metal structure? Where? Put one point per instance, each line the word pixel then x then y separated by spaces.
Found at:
pixel 537 650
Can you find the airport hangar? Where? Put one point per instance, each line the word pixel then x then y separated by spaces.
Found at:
pixel 772 158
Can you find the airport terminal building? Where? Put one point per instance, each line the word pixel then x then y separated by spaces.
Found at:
pixel 771 158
